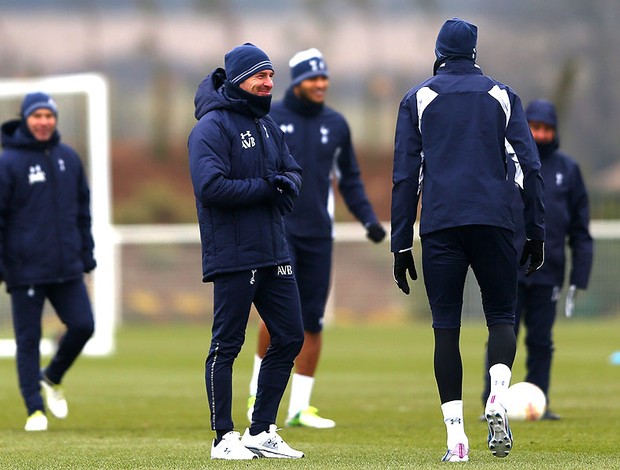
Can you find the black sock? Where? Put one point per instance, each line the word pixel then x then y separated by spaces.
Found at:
pixel 219 434
pixel 258 427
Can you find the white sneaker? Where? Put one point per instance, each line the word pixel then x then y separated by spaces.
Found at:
pixel 55 399
pixel 231 448
pixel 500 436
pixel 37 421
pixel 269 444
pixel 309 418
pixel 460 453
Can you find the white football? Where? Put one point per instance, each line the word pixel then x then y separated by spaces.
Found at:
pixel 524 402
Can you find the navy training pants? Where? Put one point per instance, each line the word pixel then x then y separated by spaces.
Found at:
pixel 273 291
pixel 536 308
pixel 72 305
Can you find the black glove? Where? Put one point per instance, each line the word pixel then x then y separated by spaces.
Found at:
pixel 89 264
pixel 284 184
pixel 375 232
pixel 403 262
pixel 535 250
pixel 284 203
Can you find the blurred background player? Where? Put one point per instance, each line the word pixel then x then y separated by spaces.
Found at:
pixel 567 219
pixel 46 246
pixel 320 141
pixel 245 181
pixel 451 134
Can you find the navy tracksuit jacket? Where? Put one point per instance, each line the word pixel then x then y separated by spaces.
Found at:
pixel 320 141
pixel 462 182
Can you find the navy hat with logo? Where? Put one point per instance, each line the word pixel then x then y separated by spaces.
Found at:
pixel 244 61
pixel 38 100
pixel 307 64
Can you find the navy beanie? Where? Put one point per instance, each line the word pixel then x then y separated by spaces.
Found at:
pixel 244 61
pixel 38 100
pixel 541 110
pixel 307 64
pixel 456 38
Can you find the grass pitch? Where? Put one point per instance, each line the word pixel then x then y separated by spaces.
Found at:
pixel 145 407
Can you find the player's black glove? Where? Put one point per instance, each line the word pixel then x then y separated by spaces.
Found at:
pixel 89 263
pixel 284 184
pixel 284 203
pixel 535 251
pixel 375 232
pixel 403 262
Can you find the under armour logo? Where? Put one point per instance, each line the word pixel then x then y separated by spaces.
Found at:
pixel 287 128
pixel 453 420
pixel 324 134
pixel 559 178
pixel 36 175
pixel 247 141
pixel 285 270
pixel 252 281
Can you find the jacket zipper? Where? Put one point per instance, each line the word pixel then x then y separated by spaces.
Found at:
pixel 264 161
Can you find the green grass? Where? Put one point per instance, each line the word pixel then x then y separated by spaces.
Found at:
pixel 145 407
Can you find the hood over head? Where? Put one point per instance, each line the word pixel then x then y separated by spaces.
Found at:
pixel 456 39
pixel 542 110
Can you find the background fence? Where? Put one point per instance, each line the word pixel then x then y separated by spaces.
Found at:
pixel 159 281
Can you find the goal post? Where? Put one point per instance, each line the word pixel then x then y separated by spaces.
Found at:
pixel 94 88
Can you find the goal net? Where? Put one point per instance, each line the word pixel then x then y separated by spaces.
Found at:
pixel 83 109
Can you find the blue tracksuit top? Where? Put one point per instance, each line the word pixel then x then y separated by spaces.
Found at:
pixel 320 141
pixel 453 134
pixel 232 154
pixel 45 221
pixel 567 219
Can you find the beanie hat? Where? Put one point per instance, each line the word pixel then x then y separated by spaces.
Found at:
pixel 307 64
pixel 541 110
pixel 456 38
pixel 244 61
pixel 38 100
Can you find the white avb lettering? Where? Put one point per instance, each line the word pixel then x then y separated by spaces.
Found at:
pixel 285 270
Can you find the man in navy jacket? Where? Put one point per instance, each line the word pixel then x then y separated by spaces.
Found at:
pixel 46 246
pixel 320 141
pixel 245 181
pixel 567 220
pixel 453 133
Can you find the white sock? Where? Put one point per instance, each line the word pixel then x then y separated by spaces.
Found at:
pixel 500 380
pixel 255 372
pixel 301 389
pixel 453 419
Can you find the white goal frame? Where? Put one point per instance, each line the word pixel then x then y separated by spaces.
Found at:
pixel 95 88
